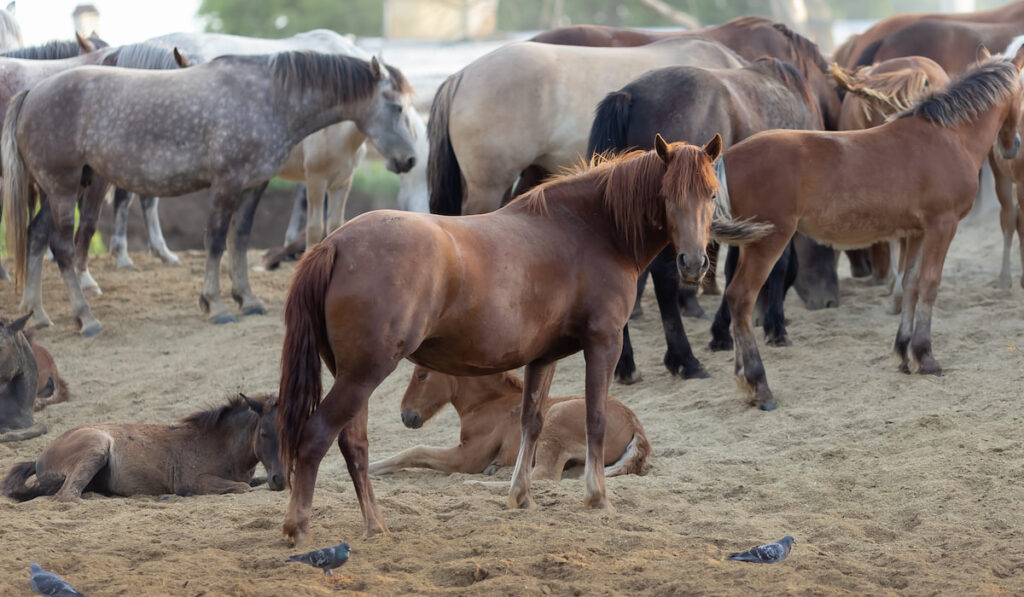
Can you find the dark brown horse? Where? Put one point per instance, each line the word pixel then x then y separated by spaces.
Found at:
pixel 952 44
pixel 914 177
pixel 738 102
pixel 213 451
pixel 548 275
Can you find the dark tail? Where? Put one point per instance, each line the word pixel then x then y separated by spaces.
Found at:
pixel 16 192
pixel 14 486
pixel 867 57
pixel 611 124
pixel 305 339
pixel 444 177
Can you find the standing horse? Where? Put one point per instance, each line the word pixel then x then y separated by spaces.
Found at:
pixel 569 252
pixel 529 104
pixel 490 431
pixel 327 159
pixel 209 452
pixel 766 94
pixel 10 30
pixel 228 124
pixel 913 177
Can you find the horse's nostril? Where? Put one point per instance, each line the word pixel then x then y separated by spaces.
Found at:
pixel 411 419
pixel 831 304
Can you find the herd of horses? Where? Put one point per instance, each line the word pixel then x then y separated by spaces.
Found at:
pixel 560 170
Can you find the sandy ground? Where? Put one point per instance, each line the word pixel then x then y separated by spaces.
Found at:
pixel 891 484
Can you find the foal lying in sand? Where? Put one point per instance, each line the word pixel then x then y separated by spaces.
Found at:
pixel 50 387
pixel 213 451
pixel 489 417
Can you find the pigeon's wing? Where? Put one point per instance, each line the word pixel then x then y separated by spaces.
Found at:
pixel 772 552
pixel 317 558
pixel 48 583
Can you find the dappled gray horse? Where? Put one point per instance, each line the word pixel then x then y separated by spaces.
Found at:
pixel 228 125
pixel 325 160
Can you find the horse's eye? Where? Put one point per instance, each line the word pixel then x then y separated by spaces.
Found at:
pixel 264 434
pixel 421 376
pixel 396 108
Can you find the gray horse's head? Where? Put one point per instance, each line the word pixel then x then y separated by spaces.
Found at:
pixel 386 119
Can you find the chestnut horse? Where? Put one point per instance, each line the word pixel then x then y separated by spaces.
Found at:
pixel 738 102
pixel 208 452
pixel 913 177
pixel 876 93
pixel 852 52
pixel 490 431
pixel 551 273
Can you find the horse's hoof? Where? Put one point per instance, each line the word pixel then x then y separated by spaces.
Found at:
pixel 125 263
pixel 525 502
pixel 222 318
pixel 628 379
pixel 91 329
pixel 169 258
pixel 599 504
pixel 720 344
pixel 905 368
pixel 766 405
pixel 929 367
pixel 41 321
pixel 699 373
pixel 254 309
pixel 91 291
pixel 695 312
pixel 778 341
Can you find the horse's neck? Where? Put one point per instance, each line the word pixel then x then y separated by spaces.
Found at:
pixel 472 392
pixel 237 448
pixel 974 134
pixel 311 110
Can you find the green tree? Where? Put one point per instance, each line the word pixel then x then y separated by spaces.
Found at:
pixel 281 18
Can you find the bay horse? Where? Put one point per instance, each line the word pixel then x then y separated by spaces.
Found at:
pixel 209 452
pixel 913 177
pixel 327 159
pixel 851 52
pixel 738 102
pixel 952 44
pixel 570 252
pixel 531 104
pixel 51 388
pixel 874 94
pixel 228 124
pixel 18 382
pixel 1009 182
pixel 489 408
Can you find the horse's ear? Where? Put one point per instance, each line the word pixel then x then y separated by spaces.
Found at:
pixel 714 147
pixel 181 60
pixel 1018 58
pixel 84 44
pixel 19 324
pixel 983 53
pixel 375 68
pixel 10 8
pixel 661 146
pixel 254 405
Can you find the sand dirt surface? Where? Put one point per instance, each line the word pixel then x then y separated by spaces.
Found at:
pixel 891 484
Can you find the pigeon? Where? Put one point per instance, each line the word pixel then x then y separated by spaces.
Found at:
pixel 771 553
pixel 51 585
pixel 326 558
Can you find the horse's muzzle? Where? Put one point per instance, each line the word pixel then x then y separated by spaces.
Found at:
pixel 411 419
pixel 398 165
pixel 692 267
pixel 1009 154
pixel 275 482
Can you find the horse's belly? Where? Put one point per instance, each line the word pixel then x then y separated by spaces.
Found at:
pixel 468 355
pixel 853 232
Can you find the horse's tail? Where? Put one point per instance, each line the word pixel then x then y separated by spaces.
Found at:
pixel 867 56
pixel 16 191
pixel 17 435
pixel 611 124
pixel 14 485
pixel 305 339
pixel 444 177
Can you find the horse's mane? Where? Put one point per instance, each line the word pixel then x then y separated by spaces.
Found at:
pixel 141 55
pixel 789 75
pixel 974 92
pixel 56 49
pixel 899 89
pixel 347 77
pixel 211 419
pixel 632 186
pixel 804 50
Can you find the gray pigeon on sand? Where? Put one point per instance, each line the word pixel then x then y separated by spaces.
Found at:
pixel 771 553
pixel 51 585
pixel 326 558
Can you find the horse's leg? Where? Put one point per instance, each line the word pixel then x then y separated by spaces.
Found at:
pixel 89 214
pixel 337 200
pixel 1020 224
pixel 468 457
pixel 679 358
pixel 238 244
pixel 536 383
pixel 641 282
pixel 221 209
pixel 3 273
pixel 154 232
pixel 860 266
pixel 775 290
pixel 91 454
pixel 721 338
pixel 599 352
pixel 625 369
pixel 1007 218
pixel 896 304
pixel 119 238
pixel 39 231
pixel 911 260
pixel 933 254
pixel 62 207
pixel 881 263
pixel 752 269
pixel 315 188
pixel 346 400
pixel 214 485
pixel 297 221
